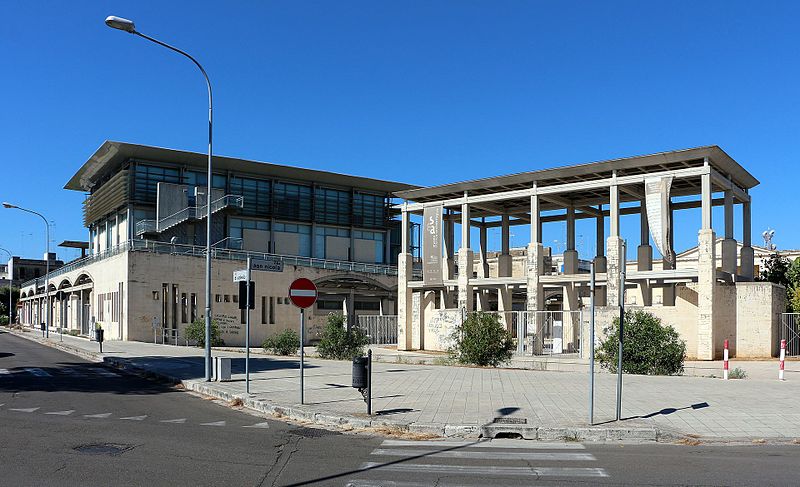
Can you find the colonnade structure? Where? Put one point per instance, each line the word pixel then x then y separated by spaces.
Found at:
pixel 705 302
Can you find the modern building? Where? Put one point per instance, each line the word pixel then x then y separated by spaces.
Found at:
pixel 708 296
pixel 143 277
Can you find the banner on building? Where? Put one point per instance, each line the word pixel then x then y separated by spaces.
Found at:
pixel 432 245
pixel 657 200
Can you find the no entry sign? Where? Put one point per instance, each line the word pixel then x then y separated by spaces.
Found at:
pixel 303 293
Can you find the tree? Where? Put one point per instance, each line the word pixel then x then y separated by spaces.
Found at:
pixel 776 269
pixel 482 340
pixel 339 343
pixel 648 347
pixel 196 331
pixel 4 300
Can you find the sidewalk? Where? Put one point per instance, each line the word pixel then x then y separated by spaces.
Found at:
pixel 457 401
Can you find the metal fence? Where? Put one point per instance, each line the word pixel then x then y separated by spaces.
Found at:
pixel 546 332
pixel 381 329
pixel 790 331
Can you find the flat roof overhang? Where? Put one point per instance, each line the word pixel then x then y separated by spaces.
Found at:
pixel 631 166
pixel 111 155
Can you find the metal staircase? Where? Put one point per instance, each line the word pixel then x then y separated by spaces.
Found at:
pixel 189 213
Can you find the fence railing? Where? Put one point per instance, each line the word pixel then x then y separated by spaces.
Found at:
pixel 790 331
pixel 381 329
pixel 545 332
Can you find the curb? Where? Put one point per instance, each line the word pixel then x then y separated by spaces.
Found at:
pixel 350 422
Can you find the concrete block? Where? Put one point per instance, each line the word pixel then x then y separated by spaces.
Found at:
pixel 462 430
pixel 424 428
pixel 492 430
pixel 639 434
pixel 591 434
pixel 328 419
pixel 552 434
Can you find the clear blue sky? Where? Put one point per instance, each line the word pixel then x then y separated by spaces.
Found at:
pixel 422 92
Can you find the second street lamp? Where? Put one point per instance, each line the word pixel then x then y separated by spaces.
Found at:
pixel 47 264
pixel 10 314
pixel 128 26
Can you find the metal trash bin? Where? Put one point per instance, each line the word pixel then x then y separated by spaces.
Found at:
pixel 222 369
pixel 360 373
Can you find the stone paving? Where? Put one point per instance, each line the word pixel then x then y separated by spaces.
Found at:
pixel 437 395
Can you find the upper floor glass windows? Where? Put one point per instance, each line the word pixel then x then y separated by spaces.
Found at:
pixel 332 206
pixel 146 179
pixel 197 178
pixel 292 201
pixel 369 210
pixel 256 194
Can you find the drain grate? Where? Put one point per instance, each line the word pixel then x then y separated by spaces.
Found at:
pixel 103 448
pixel 510 421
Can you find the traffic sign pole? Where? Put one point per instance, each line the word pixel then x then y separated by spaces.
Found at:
pixel 247 332
pixel 303 294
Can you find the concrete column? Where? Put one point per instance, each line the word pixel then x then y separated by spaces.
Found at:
pixel 465 260
pixel 746 258
pixel 706 284
pixel 536 222
pixel 504 261
pixel 535 265
pixel 705 208
pixel 613 248
pixel 644 255
pixel 600 265
pixel 668 291
pixel 449 245
pixel 729 246
pixel 570 254
pixel 404 300
pixel 484 255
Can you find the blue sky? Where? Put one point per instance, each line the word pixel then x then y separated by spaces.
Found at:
pixel 420 92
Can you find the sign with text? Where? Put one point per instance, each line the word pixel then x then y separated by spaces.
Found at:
pixel 239 276
pixel 270 264
pixel 303 293
pixel 432 245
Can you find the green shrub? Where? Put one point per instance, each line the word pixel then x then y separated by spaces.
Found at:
pixel 196 331
pixel 737 373
pixel 284 343
pixel 649 347
pixel 338 343
pixel 73 332
pixel 481 340
pixel 3 320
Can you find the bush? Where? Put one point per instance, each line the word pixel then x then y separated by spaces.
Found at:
pixel 284 343
pixel 649 347
pixel 737 373
pixel 196 331
pixel 338 343
pixel 481 340
pixel 3 320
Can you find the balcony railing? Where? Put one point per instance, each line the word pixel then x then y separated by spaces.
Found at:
pixel 188 213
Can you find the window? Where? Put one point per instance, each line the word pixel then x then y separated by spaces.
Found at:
pixel 184 308
pixel 218 298
pixel 329 305
pixel 146 179
pixel 243 316
pixel 369 210
pixel 235 298
pixel 367 305
pixel 321 233
pixel 227 298
pixel 193 315
pixel 236 226
pixel 256 194
pixel 304 247
pixel 332 206
pixel 378 237
pixel 271 311
pixel 263 310
pixel 197 178
pixel 292 201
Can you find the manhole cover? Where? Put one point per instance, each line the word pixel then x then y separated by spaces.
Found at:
pixel 103 448
pixel 510 421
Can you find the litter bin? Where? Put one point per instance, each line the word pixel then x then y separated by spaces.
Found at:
pixel 98 336
pixel 360 373
pixel 222 369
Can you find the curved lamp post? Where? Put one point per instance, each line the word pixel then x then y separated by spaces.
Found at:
pixel 47 260
pixel 10 313
pixel 128 26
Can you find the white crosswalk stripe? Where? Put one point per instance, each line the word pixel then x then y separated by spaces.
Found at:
pixel 215 423
pixel 176 421
pixel 135 418
pixel 37 372
pixel 5 372
pixel 62 413
pixel 258 425
pixel 405 463
pixel 23 410
pixel 99 416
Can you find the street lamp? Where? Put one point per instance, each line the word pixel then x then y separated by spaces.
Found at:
pixel 128 26
pixel 47 260
pixel 10 318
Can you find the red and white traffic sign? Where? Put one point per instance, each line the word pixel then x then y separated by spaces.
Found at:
pixel 303 293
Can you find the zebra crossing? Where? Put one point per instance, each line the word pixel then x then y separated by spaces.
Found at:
pixel 405 463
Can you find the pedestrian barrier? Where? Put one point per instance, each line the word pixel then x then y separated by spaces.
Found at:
pixel 782 360
pixel 381 329
pixel 790 333
pixel 725 361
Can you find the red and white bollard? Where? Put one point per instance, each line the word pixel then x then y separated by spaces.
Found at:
pixel 783 359
pixel 725 361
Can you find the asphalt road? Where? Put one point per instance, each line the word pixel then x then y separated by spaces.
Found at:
pixel 65 421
